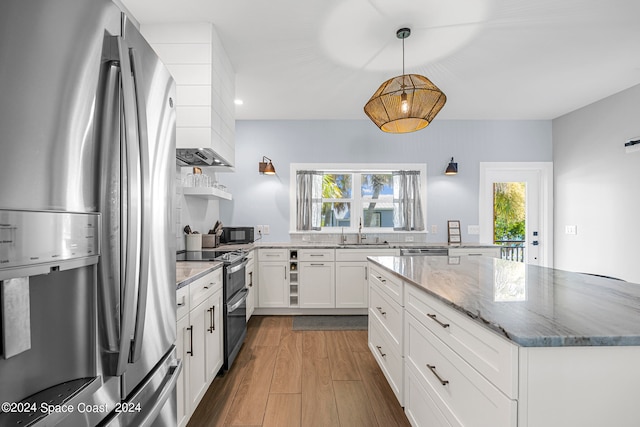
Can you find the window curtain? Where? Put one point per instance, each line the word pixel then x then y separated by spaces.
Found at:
pixel 308 200
pixel 407 204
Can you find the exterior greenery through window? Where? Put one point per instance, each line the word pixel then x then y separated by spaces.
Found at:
pixel 349 198
pixel 509 213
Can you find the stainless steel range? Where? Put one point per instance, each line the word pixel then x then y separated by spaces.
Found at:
pixel 234 294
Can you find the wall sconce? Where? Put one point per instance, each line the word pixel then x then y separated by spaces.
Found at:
pixel 266 168
pixel 452 169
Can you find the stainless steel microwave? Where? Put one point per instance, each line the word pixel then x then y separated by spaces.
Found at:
pixel 237 235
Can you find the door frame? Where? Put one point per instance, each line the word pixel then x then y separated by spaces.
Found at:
pixel 545 205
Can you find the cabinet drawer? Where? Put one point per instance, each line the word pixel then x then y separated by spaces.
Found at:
pixel 388 356
pixel 419 406
pixel 316 255
pixel 204 287
pixel 362 254
pixel 491 355
pixel 459 391
pixel 389 283
pixel 491 252
pixel 388 313
pixel 182 302
pixel 273 254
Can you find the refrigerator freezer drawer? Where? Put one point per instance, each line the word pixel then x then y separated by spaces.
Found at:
pixel 154 403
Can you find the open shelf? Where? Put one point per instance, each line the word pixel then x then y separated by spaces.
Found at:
pixel 206 193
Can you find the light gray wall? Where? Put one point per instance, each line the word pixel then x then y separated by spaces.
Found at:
pixel 596 188
pixel 263 199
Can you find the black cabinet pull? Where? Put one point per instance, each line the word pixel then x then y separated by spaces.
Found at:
pixel 432 368
pixel 433 317
pixel 190 329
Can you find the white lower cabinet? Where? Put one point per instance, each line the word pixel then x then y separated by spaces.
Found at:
pixel 316 284
pixel 182 385
pixel 461 394
pixel 250 282
pixel 352 287
pixel 273 278
pixel 385 328
pixel 420 408
pixel 199 340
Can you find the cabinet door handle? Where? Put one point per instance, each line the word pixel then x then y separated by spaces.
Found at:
pixel 433 317
pixel 380 351
pixel 190 329
pixel 212 313
pixel 366 276
pixel 384 313
pixel 316 265
pixel 432 368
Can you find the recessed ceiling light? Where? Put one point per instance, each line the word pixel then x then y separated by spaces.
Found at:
pixel 238 101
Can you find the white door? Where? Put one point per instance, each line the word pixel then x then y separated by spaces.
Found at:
pixel 538 183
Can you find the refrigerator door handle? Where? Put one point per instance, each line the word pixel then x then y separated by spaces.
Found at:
pixel 132 215
pixel 145 225
pixel 163 395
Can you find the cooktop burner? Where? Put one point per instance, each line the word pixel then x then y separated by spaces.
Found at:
pixel 227 257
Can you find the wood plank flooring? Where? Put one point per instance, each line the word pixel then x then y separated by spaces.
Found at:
pixel 292 378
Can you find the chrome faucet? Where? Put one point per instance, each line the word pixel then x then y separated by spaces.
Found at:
pixel 360 236
pixel 343 238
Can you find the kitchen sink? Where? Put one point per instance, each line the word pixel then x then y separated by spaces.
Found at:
pixel 365 245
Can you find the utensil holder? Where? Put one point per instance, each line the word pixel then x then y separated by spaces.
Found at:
pixel 208 240
pixel 194 242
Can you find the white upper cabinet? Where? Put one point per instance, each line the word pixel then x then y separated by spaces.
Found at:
pixel 205 84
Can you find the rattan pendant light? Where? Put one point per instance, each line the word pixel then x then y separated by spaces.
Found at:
pixel 405 103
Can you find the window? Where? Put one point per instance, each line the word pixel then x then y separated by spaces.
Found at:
pixel 374 196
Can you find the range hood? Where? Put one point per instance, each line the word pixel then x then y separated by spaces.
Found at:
pixel 199 157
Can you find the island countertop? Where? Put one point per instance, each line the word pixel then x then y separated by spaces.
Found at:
pixel 531 306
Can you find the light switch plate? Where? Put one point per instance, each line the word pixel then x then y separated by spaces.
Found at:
pixel 266 229
pixel 473 229
pixel 570 229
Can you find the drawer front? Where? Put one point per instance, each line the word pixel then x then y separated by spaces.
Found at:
pixel 419 406
pixel 492 356
pixel 491 252
pixel 182 302
pixel 459 391
pixel 273 254
pixel 362 254
pixel 388 313
pixel 390 284
pixel 204 287
pixel 388 356
pixel 316 255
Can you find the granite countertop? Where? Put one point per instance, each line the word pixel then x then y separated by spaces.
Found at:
pixel 530 305
pixel 188 271
pixel 352 245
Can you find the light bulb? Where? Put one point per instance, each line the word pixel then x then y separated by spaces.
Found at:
pixel 404 104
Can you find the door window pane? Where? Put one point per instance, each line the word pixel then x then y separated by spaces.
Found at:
pixel 509 218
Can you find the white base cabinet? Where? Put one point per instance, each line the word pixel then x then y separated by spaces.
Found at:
pixel 199 340
pixel 273 287
pixel 250 282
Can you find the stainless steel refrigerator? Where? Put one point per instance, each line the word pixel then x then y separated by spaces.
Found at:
pixel 87 240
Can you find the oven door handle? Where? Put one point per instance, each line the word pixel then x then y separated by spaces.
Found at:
pixel 237 267
pixel 241 297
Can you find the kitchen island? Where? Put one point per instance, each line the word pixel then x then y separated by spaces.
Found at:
pixel 486 341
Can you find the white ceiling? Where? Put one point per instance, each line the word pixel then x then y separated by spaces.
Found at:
pixel 494 59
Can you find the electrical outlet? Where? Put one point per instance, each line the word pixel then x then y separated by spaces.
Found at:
pixel 570 229
pixel 306 238
pixel 408 238
pixel 260 230
pixel 473 229
pixel 434 229
pixel 266 229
